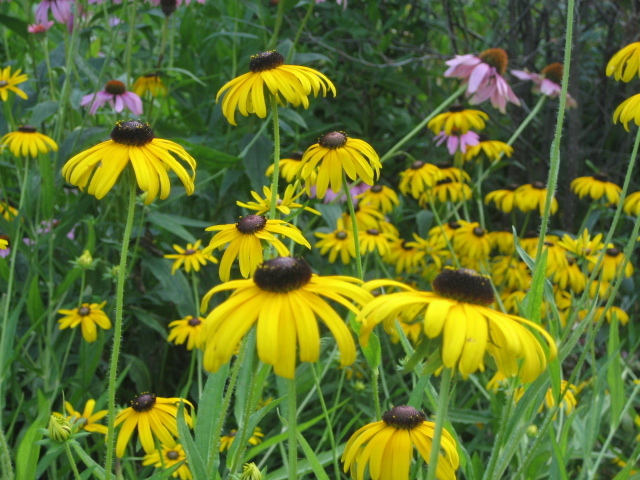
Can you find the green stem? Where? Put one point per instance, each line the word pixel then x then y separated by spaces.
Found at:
pixel 5 457
pixel 441 418
pixel 325 413
pixel 52 87
pixel 72 462
pixel 117 332
pixel 129 46
pixel 276 158
pixel 292 429
pixel 303 24
pixel 354 227
pixel 276 28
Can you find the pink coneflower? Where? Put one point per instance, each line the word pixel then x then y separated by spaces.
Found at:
pixel 39 28
pixel 156 3
pixel 61 10
pixel 548 81
pixel 457 142
pixel 115 93
pixel 484 77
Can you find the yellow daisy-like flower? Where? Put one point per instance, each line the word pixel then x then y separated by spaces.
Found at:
pixel 187 329
pixel 380 197
pixel 244 241
pixel 510 272
pixel 570 277
pixel 8 82
pixel 336 153
pixel 533 196
pixel 132 143
pixel 283 205
pixel 458 310
pixel 596 187
pixel 627 111
pixel 454 173
pixel 625 64
pixel 227 440
pixel 373 240
pixel 366 217
pixel 7 211
pixel 87 316
pixel 471 241
pixel 167 457
pixel 458 120
pixel 493 149
pixel 26 141
pixel 433 252
pixel 567 403
pixel 386 447
pixel 191 258
pixel 287 167
pixel 582 246
pixel 288 83
pixel 405 255
pixel 155 417
pixel 446 231
pixel 611 263
pixel 503 199
pixel 503 241
pixel 621 315
pixel 631 205
pixel 4 243
pixel 87 420
pixel 152 83
pixel 446 190
pixel 418 178
pixel 338 242
pixel 285 300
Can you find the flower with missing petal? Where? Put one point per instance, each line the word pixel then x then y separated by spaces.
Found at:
pixel 87 316
pixel 26 141
pixel 548 81
pixel 625 64
pixel 115 94
pixel 87 420
pixel 8 82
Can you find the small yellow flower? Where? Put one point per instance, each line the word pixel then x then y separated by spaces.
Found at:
pixel 459 120
pixel 191 258
pixel 627 111
pixel 26 141
pixel 287 167
pixel 227 440
pixel 7 211
pixel 59 428
pixel 152 83
pixel 533 196
pixel 87 316
pixel 596 187
pixel 446 190
pixel 611 263
pixel 503 199
pixel 283 205
pixel 372 240
pixel 582 246
pixel 4 244
pixel 418 178
pixel 631 205
pixel 625 64
pixel 338 242
pixel 167 457
pixel 380 197
pixel 8 82
pixel 471 241
pixel 613 311
pixel 87 420
pixel 187 330
pixel 567 403
pixel 493 150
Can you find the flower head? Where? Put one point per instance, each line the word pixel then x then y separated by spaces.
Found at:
pixel 155 417
pixel 503 199
pixel 288 83
pixel 386 447
pixel 8 82
pixel 339 242
pixel 167 457
pixel 283 205
pixel 458 120
pixel 493 149
pixel 627 111
pixel 132 143
pixel 631 205
pixel 335 152
pixel 152 83
pixel 446 190
pixel 611 263
pixel 244 241
pixel 191 258
pixel 548 81
pixel 380 197
pixel 418 177
pixel 227 440
pixel 533 196
pixel 596 187
pixel 40 28
pixel 287 167
pixel 87 420
pixel 187 329
pixel 26 141
pixel 87 316
pixel 115 94
pixel 284 299
pixel 625 64
pixel 61 10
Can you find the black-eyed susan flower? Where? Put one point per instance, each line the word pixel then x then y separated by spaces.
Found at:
pixel 227 440
pixel 26 141
pixel 628 111
pixel 367 217
pixel 132 143
pixel 533 196
pixel 244 241
pixel 625 64
pixel 611 263
pixel 287 167
pixel 87 316
pixel 166 457
pixel 8 82
pixel 583 245
pixel 492 149
pixel 446 190
pixel 152 83
pixel 373 240
pixel 458 310
pixel 596 187
pixel 187 329
pixel 529 242
pixel 433 251
pixel 631 205
pixel 288 83
pixel 509 272
pixel 609 314
pixel 385 448
pixel 444 233
pixel 4 243
pixel 568 401
pixel 154 417
pixel 337 243
pixel 504 199
pixel 191 257
pixel 458 119
pixel 87 420
pixel 284 299
pixel 571 277
pixel 512 300
pixel 262 205
pixel 503 241
pixel 455 174
pixel 7 211
pixel 335 153
pixel 548 82
pixel 418 177
pixel 472 241
pixel 404 255
pixel 380 197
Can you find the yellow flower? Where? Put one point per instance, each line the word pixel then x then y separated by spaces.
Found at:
pixel 372 240
pixel 493 150
pixel 4 243
pixel 446 190
pixel 152 83
pixel 631 205
pixel 567 403
pixel 596 187
pixel 284 299
pixel 387 447
pixel 336 153
pixel 132 143
pixel 244 242
pixel 289 83
pixel 9 81
pixel 405 255
pixel 338 242
pixel 227 440
pixel 87 316
pixel 625 64
pixel 621 315
pixel 26 141
pixel 569 277
pixel 504 199
pixel 471 241
pixel 611 263
pixel 458 120
pixel 418 178
pixel 510 272
pixel 7 211
pixel 187 329
pixel 283 205
pixel 191 257
pixel 167 457
pixel 87 420
pixel 155 417
pixel 627 111
pixel 533 196
pixel 445 232
pixel 503 241
pixel 458 310
pixel 287 167
pixel 582 246
pixel 380 197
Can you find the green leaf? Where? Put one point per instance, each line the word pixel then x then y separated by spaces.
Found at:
pixel 35 306
pixel 15 24
pixel 614 372
pixel 170 224
pixel 210 158
pixel 194 456
pixel 29 449
pixel 210 409
pixel 314 463
pixel 43 111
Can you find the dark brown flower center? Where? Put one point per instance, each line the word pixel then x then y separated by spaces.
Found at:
pixel 553 72
pixel 265 61
pixel 613 252
pixel 538 185
pixel 373 231
pixel 478 232
pixel 27 129
pixel 333 140
pixel 296 155
pixel 404 417
pixel 282 274
pixel 168 6
pixel 497 58
pixel 464 285
pixel 444 181
pixel 454 225
pixel 84 311
pixel 173 455
pixel 3 83
pixel 455 108
pixel 143 402
pixel 548 244
pixel 417 165
pixel 512 187
pixel 251 224
pixel 376 189
pixel 189 251
pixel 115 87
pixel 405 246
pixel 601 177
pixel 194 322
pixel 341 235
pixel 132 133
